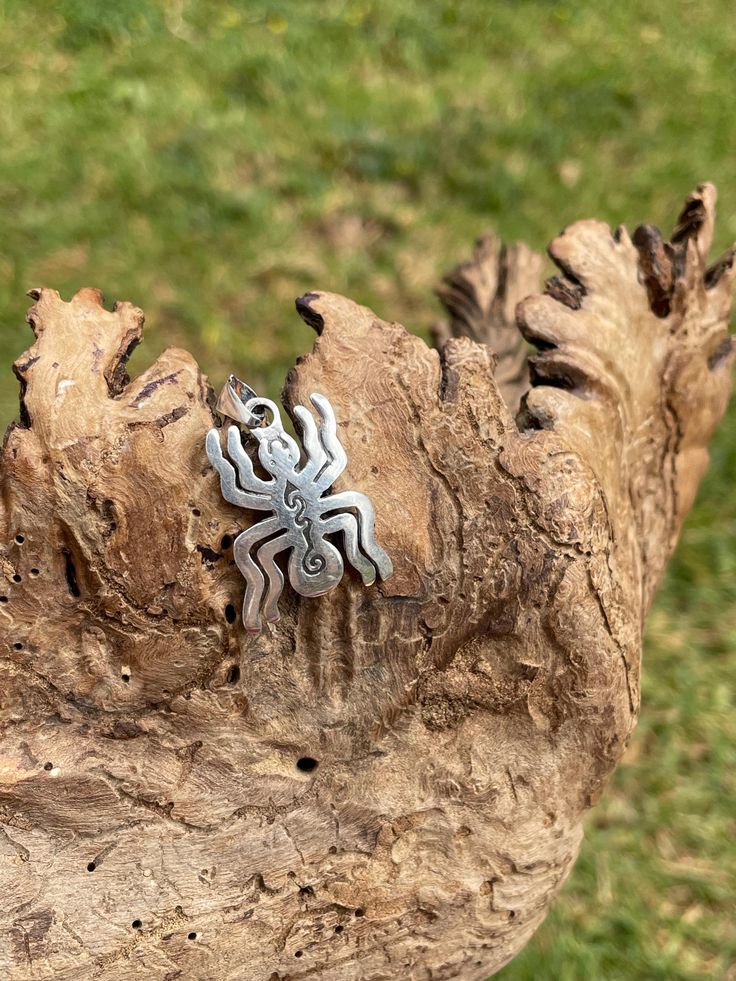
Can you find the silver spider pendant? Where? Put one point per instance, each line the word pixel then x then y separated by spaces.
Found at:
pixel 302 517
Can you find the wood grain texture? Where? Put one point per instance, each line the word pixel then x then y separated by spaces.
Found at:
pixel 162 813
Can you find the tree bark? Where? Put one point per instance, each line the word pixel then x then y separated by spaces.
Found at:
pixel 390 782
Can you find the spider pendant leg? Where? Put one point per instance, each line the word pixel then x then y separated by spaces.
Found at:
pixel 240 458
pixel 348 525
pixel 333 448
pixel 316 456
pixel 230 490
pixel 362 506
pixel 266 555
pixel 254 581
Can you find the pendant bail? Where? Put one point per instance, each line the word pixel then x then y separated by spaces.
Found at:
pixel 231 403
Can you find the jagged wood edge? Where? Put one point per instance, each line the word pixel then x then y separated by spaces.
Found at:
pixel 480 296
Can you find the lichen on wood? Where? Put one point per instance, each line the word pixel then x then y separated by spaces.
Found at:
pixel 390 782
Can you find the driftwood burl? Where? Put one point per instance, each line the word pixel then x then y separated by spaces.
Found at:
pixel 390 783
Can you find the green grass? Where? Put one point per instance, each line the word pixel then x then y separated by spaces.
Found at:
pixel 211 160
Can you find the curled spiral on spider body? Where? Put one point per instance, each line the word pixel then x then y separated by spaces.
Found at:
pixel 313 562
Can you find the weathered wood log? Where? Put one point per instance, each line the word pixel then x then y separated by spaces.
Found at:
pixel 390 782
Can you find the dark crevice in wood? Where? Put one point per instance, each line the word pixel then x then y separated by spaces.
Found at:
pixel 308 315
pixel 656 263
pixel 721 353
pixel 70 573
pixel 565 291
pixel 691 220
pixel 719 268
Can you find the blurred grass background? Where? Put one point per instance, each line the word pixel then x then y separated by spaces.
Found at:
pixel 212 160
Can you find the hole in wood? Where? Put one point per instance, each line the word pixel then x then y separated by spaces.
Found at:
pixel 136 924
pixel 18 646
pixel 3 599
pixel 19 539
pixel 191 936
pixel 91 866
pixel 125 678
pixel 226 542
pixel 298 953
pixel 17 577
pixel 35 572
pixel 71 574
pixel 360 912
pixel 230 613
pixel 339 928
pixel 48 766
pixel 196 512
pixel 233 675
pixel 306 764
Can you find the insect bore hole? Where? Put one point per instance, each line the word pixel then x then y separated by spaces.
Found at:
pixel 125 678
pixel 226 542
pixel 136 924
pixel 233 675
pixel 17 577
pixel 230 613
pixel 19 539
pixel 307 764
pixel 91 866
pixel 192 936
